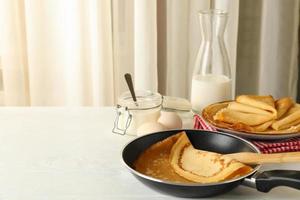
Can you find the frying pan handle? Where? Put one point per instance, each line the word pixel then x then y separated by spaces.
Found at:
pixel 265 181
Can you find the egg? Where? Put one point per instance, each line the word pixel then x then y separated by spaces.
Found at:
pixel 170 120
pixel 150 127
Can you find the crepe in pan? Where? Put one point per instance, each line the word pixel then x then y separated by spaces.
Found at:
pixel 203 166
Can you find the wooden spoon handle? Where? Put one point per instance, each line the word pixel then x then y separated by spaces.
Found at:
pixel 257 158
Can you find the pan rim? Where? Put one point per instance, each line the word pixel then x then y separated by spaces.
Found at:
pixel 133 171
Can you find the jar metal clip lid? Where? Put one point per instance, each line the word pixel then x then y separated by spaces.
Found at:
pixel 121 130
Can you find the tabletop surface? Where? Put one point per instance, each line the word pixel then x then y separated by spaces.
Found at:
pixel 71 153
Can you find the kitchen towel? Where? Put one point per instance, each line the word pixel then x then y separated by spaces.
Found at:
pixel 287 145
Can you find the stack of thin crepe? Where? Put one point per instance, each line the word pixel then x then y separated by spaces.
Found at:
pixel 261 114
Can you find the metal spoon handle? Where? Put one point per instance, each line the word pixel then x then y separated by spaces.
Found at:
pixel 130 86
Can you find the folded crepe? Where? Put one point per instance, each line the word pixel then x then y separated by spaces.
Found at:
pixel 293 109
pixel 232 116
pixel 262 102
pixel 283 105
pixel 203 166
pixel 262 127
pixel 248 109
pixel 289 120
pixel 259 128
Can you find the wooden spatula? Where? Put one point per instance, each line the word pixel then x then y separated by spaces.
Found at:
pixel 257 158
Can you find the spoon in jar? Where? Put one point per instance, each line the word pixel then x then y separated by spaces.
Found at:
pixel 130 86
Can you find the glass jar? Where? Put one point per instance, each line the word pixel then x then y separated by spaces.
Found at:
pixel 131 115
pixel 211 80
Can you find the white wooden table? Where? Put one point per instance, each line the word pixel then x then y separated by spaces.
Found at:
pixel 71 153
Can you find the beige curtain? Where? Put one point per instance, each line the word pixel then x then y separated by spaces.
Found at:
pixel 57 52
pixel 268 47
pixel 75 52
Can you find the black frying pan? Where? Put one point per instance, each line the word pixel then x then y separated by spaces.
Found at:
pixel 216 142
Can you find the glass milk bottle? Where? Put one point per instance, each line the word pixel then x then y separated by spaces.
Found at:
pixel 211 80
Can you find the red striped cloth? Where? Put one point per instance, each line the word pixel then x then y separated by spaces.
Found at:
pixel 288 145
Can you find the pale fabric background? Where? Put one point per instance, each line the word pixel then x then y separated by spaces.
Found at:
pixel 268 47
pixel 57 52
pixel 72 53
